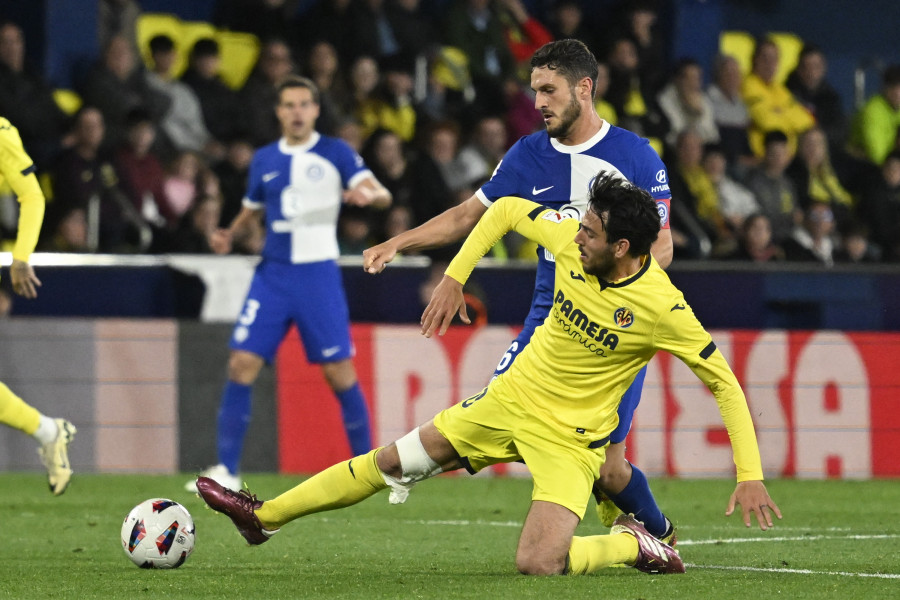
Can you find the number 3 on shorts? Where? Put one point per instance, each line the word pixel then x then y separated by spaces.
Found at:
pixel 249 315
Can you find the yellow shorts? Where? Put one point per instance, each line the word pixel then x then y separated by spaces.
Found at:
pixel 491 428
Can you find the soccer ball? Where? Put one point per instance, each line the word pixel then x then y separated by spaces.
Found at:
pixel 158 534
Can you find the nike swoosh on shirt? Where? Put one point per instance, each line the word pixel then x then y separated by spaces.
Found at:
pixel 329 352
pixel 535 191
pixel 270 176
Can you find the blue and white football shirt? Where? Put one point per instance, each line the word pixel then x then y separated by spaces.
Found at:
pixel 301 189
pixel 540 168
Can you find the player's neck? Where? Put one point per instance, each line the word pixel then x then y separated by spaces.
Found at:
pixel 583 129
pixel 297 140
pixel 625 268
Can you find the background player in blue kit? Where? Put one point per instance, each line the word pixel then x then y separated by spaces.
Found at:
pixel 555 168
pixel 300 182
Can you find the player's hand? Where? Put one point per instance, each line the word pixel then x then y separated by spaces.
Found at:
pixel 753 498
pixel 446 300
pixel 376 258
pixel 359 196
pixel 24 281
pixel 220 241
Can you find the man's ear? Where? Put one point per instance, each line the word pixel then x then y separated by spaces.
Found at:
pixel 586 87
pixel 622 247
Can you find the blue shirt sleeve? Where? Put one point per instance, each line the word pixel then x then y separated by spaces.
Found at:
pixel 255 191
pixel 506 180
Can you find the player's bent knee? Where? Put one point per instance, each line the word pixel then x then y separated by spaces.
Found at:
pixel 244 367
pixel 414 466
pixel 537 563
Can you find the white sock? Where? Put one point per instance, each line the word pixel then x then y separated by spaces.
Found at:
pixel 46 431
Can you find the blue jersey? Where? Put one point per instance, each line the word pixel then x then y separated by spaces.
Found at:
pixel 539 168
pixel 300 188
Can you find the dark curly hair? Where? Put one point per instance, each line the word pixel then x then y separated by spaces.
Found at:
pixel 626 211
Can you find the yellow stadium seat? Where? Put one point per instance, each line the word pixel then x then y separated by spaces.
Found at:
pixel 740 45
pixel 789 46
pixel 191 31
pixel 68 101
pixel 239 52
pixel 149 25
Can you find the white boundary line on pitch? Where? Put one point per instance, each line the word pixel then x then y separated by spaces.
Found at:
pixel 795 571
pixel 803 538
pixel 798 538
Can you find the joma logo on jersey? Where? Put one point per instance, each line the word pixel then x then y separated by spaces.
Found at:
pixel 578 320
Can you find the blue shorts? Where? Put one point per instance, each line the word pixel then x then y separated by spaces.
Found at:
pixel 630 399
pixel 310 295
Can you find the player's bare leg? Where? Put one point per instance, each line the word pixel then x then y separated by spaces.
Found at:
pixel 545 540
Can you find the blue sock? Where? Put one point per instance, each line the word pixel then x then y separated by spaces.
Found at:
pixel 356 419
pixel 638 500
pixel 234 418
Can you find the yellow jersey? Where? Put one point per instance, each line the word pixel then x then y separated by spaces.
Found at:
pixel 599 334
pixel 17 170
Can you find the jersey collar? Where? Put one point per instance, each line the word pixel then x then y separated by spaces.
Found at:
pixel 628 280
pixel 299 148
pixel 577 149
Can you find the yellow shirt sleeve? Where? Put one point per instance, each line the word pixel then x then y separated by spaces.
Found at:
pixel 681 334
pixel 18 170
pixel 533 221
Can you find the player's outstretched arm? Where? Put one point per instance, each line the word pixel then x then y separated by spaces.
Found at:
pixel 753 498
pixel 446 300
pixel 220 240
pixel 449 226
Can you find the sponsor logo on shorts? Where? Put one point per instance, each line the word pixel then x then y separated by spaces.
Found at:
pixel 329 352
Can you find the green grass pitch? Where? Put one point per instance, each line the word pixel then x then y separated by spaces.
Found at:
pixel 454 538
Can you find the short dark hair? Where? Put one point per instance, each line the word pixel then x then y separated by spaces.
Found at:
pixel 161 43
pixel 627 212
pixel 891 76
pixel 205 47
pixel 138 116
pixel 684 64
pixel 295 81
pixel 572 58
pixel 776 136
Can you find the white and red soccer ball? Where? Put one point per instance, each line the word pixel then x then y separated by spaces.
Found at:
pixel 158 534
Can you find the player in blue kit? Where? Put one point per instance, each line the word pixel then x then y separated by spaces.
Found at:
pixel 555 168
pixel 300 182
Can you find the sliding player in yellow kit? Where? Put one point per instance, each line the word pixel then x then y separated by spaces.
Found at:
pixel 614 308
pixel 54 435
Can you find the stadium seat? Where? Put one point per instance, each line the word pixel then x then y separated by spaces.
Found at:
pixel 789 46
pixel 239 52
pixel 150 25
pixel 740 45
pixel 191 31
pixel 68 101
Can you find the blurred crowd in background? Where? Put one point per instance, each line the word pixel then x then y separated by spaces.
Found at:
pixel 149 153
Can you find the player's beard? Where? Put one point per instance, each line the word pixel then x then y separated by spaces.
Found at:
pixel 603 265
pixel 566 120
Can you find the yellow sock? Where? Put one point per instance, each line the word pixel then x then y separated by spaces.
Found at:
pixel 340 485
pixel 16 413
pixel 592 553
